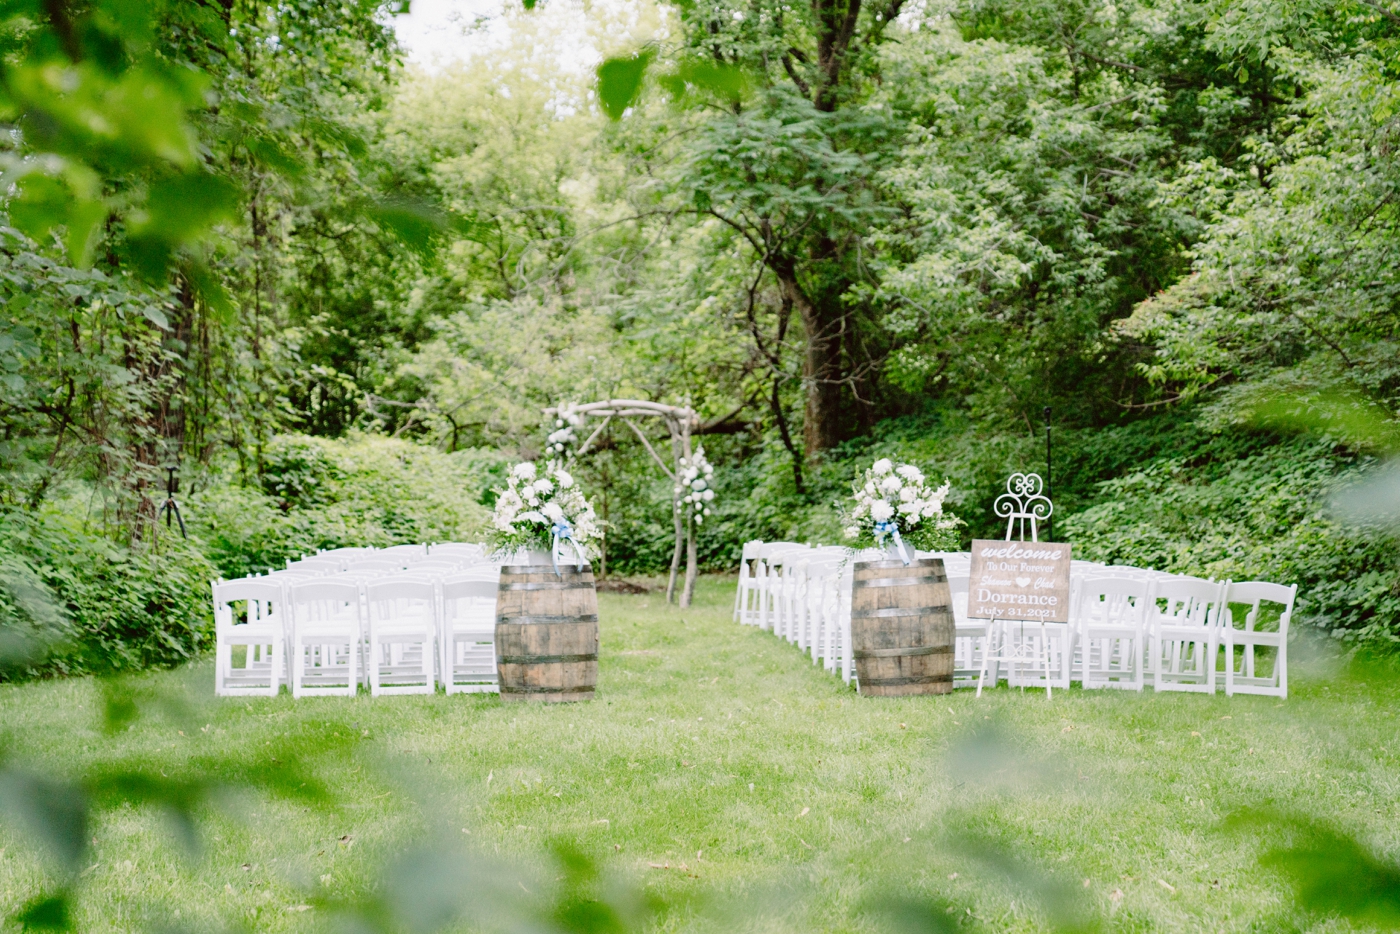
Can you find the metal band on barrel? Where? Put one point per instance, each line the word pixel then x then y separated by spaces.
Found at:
pixel 926 563
pixel 904 652
pixel 545 659
pixel 587 618
pixel 897 611
pixel 547 585
pixel 895 682
pixel 898 581
pixel 570 571
pixel 535 689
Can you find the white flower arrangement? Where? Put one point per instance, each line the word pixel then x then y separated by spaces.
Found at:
pixel 893 505
pixel 694 482
pixel 543 511
pixel 560 442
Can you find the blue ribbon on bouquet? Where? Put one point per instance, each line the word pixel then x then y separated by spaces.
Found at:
pixel 889 528
pixel 562 533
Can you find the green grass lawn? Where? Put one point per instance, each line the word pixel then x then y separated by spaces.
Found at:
pixel 721 780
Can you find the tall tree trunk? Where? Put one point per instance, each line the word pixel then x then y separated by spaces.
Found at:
pixel 823 370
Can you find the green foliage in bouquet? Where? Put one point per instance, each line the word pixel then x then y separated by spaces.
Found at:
pixel 892 497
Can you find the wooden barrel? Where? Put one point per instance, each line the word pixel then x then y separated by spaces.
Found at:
pixel 902 627
pixel 547 633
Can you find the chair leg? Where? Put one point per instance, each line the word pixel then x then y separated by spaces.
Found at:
pixel 298 666
pixel 275 668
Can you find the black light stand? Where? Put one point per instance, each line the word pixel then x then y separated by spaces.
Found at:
pixel 170 507
pixel 1050 523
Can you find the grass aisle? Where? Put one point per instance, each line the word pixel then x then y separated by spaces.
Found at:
pixel 725 775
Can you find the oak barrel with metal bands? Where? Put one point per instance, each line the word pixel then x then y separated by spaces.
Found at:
pixel 902 627
pixel 547 633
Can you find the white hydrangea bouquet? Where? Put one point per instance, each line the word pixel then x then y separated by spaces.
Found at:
pixel 544 512
pixel 695 482
pixel 895 510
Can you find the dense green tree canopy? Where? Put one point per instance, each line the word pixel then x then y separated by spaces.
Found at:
pixel 833 227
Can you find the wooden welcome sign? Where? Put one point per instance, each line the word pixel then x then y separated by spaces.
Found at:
pixel 1019 580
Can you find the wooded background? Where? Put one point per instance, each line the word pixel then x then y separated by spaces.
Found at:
pixel 243 239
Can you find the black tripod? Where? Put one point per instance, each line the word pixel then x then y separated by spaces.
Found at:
pixel 170 507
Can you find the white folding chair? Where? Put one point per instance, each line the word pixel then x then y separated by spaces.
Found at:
pixel 769 579
pixel 795 596
pixel 840 656
pixel 782 581
pixel 468 656
pixel 1185 631
pixel 327 636
pixel 403 625
pixel 1247 677
pixel 257 629
pixel 822 580
pixel 746 597
pixel 1110 631
pixel 971 637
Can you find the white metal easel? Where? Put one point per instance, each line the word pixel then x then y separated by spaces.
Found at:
pixel 1022 505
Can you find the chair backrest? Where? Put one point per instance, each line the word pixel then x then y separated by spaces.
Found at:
pixel 1113 599
pixel 323 561
pixel 436 564
pixel 1255 593
pixel 480 571
pixel 389 599
pixel 771 548
pixel 1125 571
pixel 415 550
pixel 398 589
pixel 260 595
pixel 1179 600
pixel 474 589
pixel 456 548
pixel 751 550
pixel 470 604
pixel 259 588
pixel 790 555
pixel 377 563
pixel 957 594
pixel 323 600
pixel 818 570
pixel 342 590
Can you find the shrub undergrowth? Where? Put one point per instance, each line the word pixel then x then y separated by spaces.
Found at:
pixel 1162 492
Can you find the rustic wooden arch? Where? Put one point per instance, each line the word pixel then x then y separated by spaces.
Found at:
pixel 681 421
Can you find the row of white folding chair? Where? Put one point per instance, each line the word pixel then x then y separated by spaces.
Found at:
pixel 1128 628
pixel 788 583
pixel 769 573
pixel 794 590
pixel 415 555
pixel 804 595
pixel 778 564
pixel 1101 647
pixel 813 621
pixel 324 631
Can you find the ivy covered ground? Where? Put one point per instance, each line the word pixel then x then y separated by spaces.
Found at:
pixel 719 782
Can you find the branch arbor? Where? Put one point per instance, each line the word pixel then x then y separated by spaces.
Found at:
pixel 680 422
